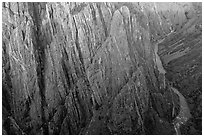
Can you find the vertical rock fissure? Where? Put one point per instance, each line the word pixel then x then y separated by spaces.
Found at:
pixel 78 47
pixel 81 57
pixel 5 93
pixel 40 58
pixel 40 61
pixel 93 13
pixel 87 94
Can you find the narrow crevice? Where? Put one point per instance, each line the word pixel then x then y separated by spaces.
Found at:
pixel 40 61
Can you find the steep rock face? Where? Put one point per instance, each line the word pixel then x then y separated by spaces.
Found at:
pixel 181 52
pixel 87 68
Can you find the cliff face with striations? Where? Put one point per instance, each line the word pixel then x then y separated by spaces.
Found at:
pixel 181 53
pixel 89 68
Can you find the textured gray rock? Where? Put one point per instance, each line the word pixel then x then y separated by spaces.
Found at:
pixel 88 68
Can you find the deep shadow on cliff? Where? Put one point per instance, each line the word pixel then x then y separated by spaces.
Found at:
pixel 89 68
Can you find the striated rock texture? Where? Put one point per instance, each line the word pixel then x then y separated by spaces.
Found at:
pixel 89 68
pixel 181 52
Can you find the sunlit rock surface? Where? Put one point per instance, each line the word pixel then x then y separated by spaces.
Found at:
pixel 89 68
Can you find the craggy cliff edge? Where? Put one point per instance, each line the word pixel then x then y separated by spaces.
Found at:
pixel 89 68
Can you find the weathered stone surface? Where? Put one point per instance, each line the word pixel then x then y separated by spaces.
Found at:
pixel 182 56
pixel 89 68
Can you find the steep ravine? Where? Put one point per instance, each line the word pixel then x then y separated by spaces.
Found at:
pixel 73 68
pixel 184 113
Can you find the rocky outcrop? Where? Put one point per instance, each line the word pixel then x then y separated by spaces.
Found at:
pixel 89 68
pixel 182 56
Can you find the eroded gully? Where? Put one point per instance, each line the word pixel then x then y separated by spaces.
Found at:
pixel 184 113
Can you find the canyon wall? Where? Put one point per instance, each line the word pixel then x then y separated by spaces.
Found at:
pixel 181 53
pixel 89 68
